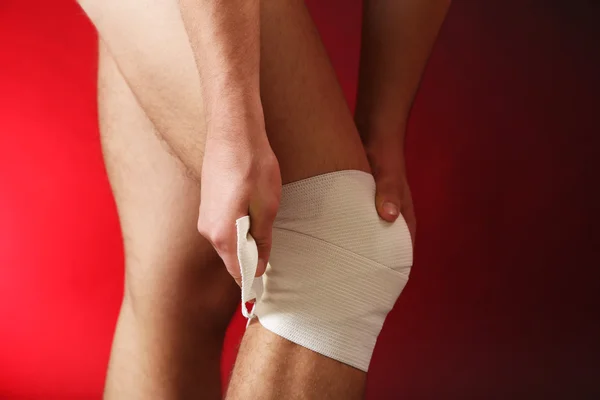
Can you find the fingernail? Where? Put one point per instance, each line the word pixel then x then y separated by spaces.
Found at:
pixel 390 209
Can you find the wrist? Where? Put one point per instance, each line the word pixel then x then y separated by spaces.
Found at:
pixel 382 136
pixel 235 115
pixel 231 92
pixel 381 125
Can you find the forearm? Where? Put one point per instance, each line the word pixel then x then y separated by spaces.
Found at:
pixel 225 39
pixel 397 40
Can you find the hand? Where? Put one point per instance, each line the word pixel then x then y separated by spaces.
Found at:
pixel 240 176
pixel 393 196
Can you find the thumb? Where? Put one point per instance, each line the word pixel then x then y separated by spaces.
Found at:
pixel 262 233
pixel 387 198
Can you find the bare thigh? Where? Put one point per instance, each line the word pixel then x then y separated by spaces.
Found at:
pixel 157 200
pixel 308 121
pixel 179 298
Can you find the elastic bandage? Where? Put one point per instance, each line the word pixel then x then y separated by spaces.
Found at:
pixel 336 268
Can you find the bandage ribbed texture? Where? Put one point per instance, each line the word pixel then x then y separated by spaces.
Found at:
pixel 336 269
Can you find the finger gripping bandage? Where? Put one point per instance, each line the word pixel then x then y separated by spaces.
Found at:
pixel 336 269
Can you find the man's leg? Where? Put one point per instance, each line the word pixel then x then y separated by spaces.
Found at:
pixel 179 298
pixel 311 131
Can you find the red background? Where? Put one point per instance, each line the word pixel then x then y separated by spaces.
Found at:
pixel 502 145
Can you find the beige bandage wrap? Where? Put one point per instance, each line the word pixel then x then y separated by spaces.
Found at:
pixel 336 268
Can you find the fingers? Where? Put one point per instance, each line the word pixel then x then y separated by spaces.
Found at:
pixel 388 198
pixel 233 266
pixel 263 211
pixel 392 199
pixel 222 236
pixel 261 229
pixel 388 171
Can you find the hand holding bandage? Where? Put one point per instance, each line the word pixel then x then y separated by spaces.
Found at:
pixel 240 176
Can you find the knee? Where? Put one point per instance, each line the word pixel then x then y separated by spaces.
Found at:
pixel 336 269
pixel 199 294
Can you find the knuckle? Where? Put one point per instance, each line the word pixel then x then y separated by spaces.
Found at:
pixel 260 236
pixel 201 226
pixel 271 210
pixel 270 160
pixel 263 238
pixel 220 241
pixel 264 248
pixel 216 234
pixel 271 204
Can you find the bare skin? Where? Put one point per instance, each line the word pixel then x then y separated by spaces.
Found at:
pixel 179 297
